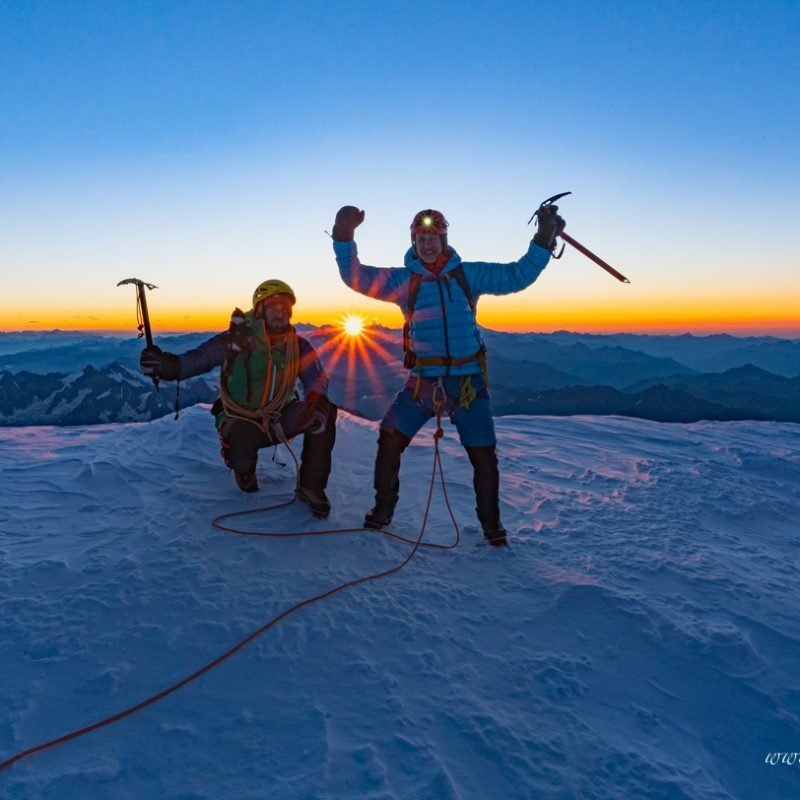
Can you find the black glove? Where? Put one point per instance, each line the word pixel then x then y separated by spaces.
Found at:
pixel 550 225
pixel 155 363
pixel 313 416
pixel 348 218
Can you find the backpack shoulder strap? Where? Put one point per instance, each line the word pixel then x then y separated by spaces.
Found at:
pixel 461 280
pixel 414 283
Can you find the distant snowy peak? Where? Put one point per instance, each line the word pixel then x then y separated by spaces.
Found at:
pixel 537 374
pixel 114 393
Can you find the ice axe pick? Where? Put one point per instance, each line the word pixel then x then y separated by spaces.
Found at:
pixel 575 243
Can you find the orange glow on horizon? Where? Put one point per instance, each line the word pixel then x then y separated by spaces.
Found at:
pixel 702 316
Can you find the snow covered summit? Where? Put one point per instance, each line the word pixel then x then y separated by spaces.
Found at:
pixel 640 638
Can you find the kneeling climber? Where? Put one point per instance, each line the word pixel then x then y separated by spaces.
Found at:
pixel 261 357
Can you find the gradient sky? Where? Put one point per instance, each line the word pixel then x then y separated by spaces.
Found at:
pixel 206 146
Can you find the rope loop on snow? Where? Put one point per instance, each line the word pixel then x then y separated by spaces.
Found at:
pixel 217 523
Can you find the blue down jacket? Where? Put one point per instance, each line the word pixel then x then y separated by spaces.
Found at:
pixel 443 323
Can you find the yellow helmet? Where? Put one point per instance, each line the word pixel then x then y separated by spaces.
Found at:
pixel 271 287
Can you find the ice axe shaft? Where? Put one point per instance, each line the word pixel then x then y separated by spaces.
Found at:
pixel 143 317
pixel 576 244
pixel 141 300
pixel 589 254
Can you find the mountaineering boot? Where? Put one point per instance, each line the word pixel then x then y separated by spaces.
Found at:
pixel 246 481
pixel 316 499
pixel 496 536
pixel 377 519
pixel 486 482
pixel 391 444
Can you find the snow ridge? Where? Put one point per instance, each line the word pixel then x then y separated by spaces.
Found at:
pixel 639 638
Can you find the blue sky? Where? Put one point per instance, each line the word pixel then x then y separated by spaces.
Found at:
pixel 208 145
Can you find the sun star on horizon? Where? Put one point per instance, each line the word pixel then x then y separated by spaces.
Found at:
pixel 352 342
pixel 353 324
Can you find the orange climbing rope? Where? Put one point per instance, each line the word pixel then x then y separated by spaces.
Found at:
pixel 417 544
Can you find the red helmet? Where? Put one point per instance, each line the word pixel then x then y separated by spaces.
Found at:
pixel 429 221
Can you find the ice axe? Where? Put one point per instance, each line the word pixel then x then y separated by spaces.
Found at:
pixel 142 317
pixel 576 244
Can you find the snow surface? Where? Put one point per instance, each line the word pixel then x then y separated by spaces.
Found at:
pixel 640 639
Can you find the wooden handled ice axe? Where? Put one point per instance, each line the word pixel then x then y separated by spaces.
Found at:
pixel 142 317
pixel 576 244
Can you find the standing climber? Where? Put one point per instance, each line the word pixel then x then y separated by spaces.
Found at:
pixel 261 358
pixel 443 346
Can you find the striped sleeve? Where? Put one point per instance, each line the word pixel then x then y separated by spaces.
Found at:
pixel 381 283
pixel 489 278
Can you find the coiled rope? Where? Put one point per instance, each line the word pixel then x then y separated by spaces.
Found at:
pixel 271 407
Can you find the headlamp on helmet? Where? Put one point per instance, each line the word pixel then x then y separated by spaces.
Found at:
pixel 429 221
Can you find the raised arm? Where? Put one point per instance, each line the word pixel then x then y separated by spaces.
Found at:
pixel 382 283
pixel 489 278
